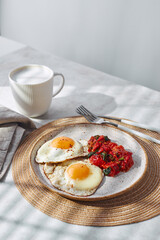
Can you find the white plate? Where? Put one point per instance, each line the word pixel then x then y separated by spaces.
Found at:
pixel 110 186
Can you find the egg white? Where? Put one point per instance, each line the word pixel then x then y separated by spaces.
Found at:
pixel 57 174
pixel 49 154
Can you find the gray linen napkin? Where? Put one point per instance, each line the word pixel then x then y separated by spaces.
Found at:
pixel 13 127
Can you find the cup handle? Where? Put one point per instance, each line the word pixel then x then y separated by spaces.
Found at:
pixel 62 83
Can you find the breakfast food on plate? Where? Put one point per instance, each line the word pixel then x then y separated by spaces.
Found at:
pixel 79 178
pixel 109 156
pixel 82 177
pixel 60 149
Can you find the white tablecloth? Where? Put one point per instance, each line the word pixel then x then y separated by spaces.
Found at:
pixel 104 95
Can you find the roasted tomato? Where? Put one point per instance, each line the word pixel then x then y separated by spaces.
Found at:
pixel 109 156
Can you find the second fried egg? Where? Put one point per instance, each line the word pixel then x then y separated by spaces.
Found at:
pixel 79 178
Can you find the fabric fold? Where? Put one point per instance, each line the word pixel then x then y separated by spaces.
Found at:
pixel 9 116
pixel 13 127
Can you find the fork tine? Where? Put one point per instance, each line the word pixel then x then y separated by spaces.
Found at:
pixel 80 111
pixel 88 117
pixel 87 111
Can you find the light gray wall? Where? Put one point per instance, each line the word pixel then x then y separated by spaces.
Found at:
pixel 120 37
pixel 0 17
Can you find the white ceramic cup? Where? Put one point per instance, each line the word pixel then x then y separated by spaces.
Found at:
pixel 32 88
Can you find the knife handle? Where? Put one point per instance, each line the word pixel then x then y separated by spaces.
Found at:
pixel 141 125
pixel 139 134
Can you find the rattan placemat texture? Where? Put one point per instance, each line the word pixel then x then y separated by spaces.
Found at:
pixel 139 203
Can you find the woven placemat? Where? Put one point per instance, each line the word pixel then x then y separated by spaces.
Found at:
pixel 139 203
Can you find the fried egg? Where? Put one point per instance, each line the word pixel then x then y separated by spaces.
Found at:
pixel 79 178
pixel 60 149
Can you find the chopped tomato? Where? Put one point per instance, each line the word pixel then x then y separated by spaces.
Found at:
pixel 109 156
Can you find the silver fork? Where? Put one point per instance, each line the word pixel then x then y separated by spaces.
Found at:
pixel 98 120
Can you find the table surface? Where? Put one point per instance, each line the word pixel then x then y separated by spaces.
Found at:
pixel 101 93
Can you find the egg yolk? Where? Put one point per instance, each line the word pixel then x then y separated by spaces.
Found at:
pixel 78 171
pixel 62 142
